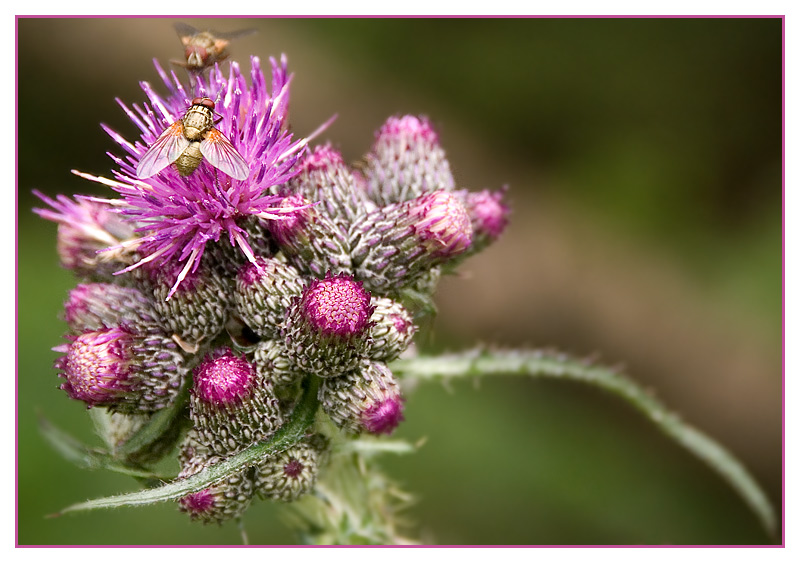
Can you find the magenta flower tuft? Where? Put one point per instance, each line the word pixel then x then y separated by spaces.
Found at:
pixel 99 366
pixel 442 223
pixel 337 305
pixel 489 216
pixel 177 216
pixel 199 505
pixel 84 228
pixel 365 399
pixel 224 379
pixel 326 328
pixel 293 468
pixel 383 416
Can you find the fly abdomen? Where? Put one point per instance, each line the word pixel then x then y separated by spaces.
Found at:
pixel 189 159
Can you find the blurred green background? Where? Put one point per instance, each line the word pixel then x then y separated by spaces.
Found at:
pixel 644 163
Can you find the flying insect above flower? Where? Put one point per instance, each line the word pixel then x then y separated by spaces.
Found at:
pixel 190 139
pixel 203 49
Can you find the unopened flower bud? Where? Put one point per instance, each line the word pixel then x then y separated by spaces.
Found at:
pixel 274 363
pixel 124 370
pixel 230 405
pixel 489 216
pixel 366 399
pixel 406 161
pixel 84 228
pixel 392 329
pixel 326 329
pixel 395 245
pixel 264 290
pixel 310 238
pixel 324 177
pixel 197 310
pixel 92 306
pixel 292 473
pixel 219 502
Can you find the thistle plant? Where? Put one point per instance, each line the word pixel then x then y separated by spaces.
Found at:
pixel 260 329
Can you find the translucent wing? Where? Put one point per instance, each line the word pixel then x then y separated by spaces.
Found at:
pixel 185 32
pixel 220 153
pixel 232 34
pixel 166 150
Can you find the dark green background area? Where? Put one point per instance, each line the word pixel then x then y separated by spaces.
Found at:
pixel 644 163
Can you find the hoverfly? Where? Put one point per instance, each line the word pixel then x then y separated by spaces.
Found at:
pixel 190 139
pixel 203 49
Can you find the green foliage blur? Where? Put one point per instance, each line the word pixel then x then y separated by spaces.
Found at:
pixel 644 159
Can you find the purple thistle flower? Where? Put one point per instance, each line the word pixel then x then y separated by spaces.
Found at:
pixel 326 329
pixel 176 215
pixel 84 228
pixel 99 366
pixel 224 379
pixel 337 305
pixel 365 399
pixel 489 216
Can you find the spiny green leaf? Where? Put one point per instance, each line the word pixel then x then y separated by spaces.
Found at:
pixel 84 456
pixel 548 364
pixel 288 435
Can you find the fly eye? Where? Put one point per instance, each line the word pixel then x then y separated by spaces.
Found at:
pixel 206 102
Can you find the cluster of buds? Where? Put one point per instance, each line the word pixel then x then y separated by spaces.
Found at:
pixel 244 288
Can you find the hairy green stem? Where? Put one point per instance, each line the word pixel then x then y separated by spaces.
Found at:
pixel 288 435
pixel 559 366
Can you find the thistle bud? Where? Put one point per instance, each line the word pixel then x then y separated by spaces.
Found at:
pixel 198 308
pixel 395 245
pixel 264 290
pixel 406 161
pixel 310 239
pixel 86 227
pixel 230 405
pixel 92 306
pixel 367 399
pixel 219 502
pixel 290 474
pixel 124 370
pixel 326 328
pixel 392 329
pixel 323 177
pixel 274 363
pixel 489 217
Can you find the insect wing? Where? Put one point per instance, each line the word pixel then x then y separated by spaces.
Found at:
pixel 220 153
pixel 186 32
pixel 228 35
pixel 166 150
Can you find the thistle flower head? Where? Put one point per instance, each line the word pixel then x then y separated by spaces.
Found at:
pixel 199 505
pixel 365 399
pixel 176 215
pixel 337 305
pixel 100 305
pixel 406 161
pixel 99 366
pixel 224 379
pixel 489 215
pixel 441 223
pixel 383 416
pixel 84 228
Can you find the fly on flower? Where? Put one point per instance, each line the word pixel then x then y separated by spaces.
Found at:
pixel 190 139
pixel 203 49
